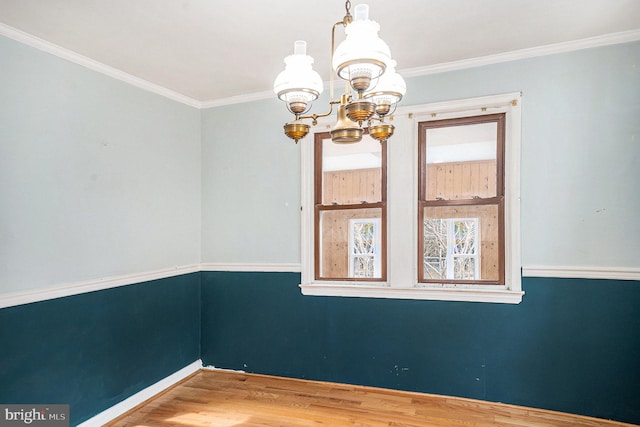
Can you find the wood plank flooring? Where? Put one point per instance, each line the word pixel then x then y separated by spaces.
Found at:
pixel 226 399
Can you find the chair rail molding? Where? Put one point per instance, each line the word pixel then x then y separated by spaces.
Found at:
pixel 43 294
pixel 577 272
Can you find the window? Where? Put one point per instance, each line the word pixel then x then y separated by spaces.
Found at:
pixel 350 210
pixel 364 248
pixel 461 163
pixel 434 213
pixel 450 249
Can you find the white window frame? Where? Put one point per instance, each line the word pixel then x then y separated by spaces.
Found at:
pixel 402 205
pixel 376 238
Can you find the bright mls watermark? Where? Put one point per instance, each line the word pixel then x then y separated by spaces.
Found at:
pixel 34 415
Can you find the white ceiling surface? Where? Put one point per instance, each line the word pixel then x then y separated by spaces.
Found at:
pixel 210 50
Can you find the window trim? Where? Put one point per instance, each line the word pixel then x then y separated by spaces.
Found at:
pixel 402 208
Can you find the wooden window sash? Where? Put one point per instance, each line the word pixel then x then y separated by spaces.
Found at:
pixel 319 207
pixel 498 200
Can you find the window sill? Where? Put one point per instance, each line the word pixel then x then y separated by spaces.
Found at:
pixel 500 295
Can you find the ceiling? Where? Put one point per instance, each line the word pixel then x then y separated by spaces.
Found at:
pixel 211 50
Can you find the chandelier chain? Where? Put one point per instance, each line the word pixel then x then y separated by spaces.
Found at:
pixel 347 18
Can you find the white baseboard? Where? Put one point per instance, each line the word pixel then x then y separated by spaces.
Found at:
pixel 128 404
pixel 213 368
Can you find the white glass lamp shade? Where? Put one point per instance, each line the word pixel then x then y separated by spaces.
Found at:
pixel 298 85
pixel 362 56
pixel 389 91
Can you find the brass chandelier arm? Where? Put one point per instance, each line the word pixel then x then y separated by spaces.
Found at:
pixel 333 43
pixel 315 116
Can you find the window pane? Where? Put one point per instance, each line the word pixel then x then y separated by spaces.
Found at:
pixel 350 243
pixel 461 242
pixel 464 268
pixel 435 248
pixel 363 266
pixel 464 233
pixel 461 162
pixel 363 238
pixel 351 173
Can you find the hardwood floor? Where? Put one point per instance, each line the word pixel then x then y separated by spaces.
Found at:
pixel 226 399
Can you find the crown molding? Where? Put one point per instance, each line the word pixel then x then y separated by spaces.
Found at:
pixel 76 58
pixel 240 99
pixel 551 49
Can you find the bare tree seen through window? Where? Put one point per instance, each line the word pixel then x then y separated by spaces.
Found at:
pixel 450 248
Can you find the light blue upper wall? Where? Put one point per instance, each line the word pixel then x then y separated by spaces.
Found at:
pixel 97 178
pixel 580 150
pixel 580 156
pixel 250 185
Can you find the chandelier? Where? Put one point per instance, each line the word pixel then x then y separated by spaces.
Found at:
pixel 373 88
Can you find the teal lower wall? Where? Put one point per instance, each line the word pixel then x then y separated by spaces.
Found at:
pixel 94 350
pixel 572 345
